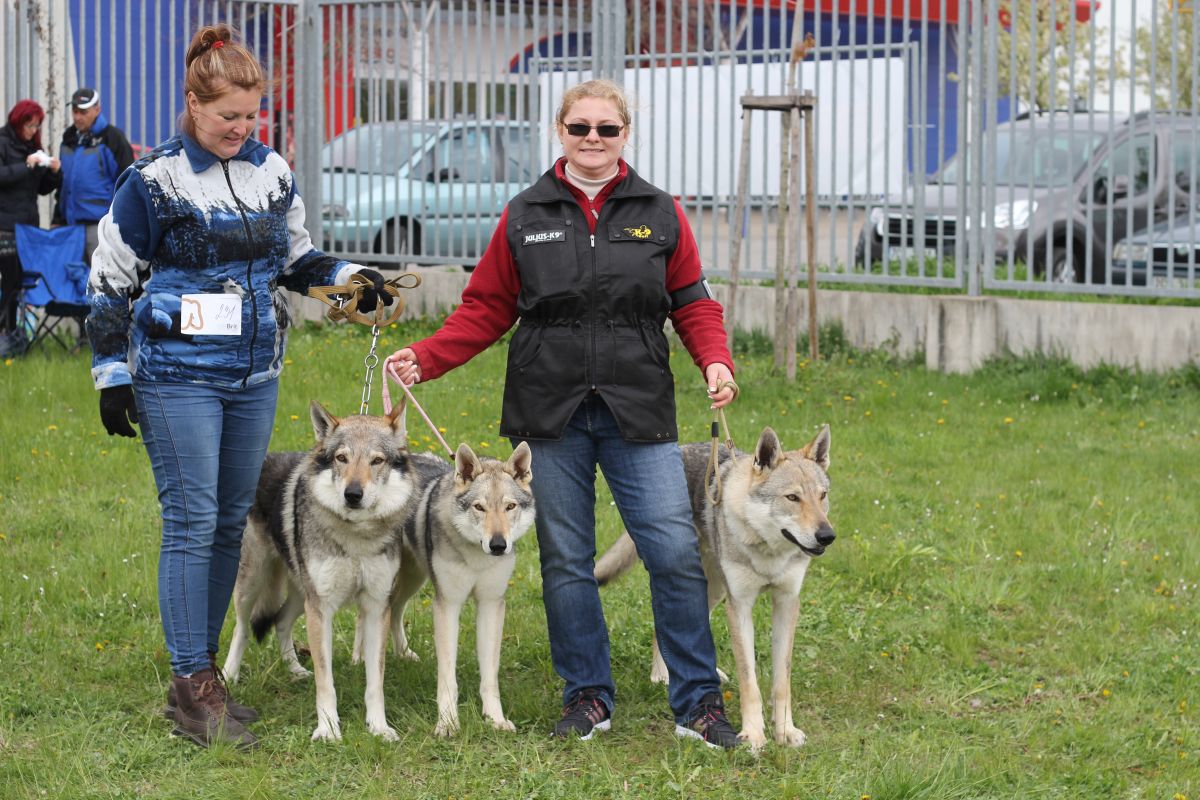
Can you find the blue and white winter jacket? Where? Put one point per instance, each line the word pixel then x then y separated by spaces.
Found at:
pixel 184 222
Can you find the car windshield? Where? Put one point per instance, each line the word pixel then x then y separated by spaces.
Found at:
pixel 377 148
pixel 1037 157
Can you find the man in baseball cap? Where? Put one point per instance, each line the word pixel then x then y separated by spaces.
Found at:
pixel 84 99
pixel 93 154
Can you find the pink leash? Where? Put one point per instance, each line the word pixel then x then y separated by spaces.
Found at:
pixel 389 371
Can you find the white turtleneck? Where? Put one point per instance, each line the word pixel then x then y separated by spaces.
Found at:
pixel 589 187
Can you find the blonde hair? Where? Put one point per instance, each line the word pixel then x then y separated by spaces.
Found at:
pixel 216 61
pixel 603 89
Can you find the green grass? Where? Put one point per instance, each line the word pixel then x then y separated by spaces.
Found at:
pixel 1010 609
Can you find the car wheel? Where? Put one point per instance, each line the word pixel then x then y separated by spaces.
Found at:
pixel 868 251
pixel 393 240
pixel 1067 267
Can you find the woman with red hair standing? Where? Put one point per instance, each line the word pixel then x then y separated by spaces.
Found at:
pixel 25 172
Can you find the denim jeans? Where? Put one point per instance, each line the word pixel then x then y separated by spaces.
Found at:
pixel 206 446
pixel 650 491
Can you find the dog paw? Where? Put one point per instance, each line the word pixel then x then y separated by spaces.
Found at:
pixel 408 655
pixel 325 733
pixel 790 737
pixel 755 740
pixel 502 724
pixel 659 676
pixel 385 732
pixel 446 728
pixel 299 673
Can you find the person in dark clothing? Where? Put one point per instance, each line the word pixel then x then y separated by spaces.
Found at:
pixel 26 171
pixel 94 153
pixel 593 260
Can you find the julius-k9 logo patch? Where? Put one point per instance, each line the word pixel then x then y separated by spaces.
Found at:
pixel 640 232
pixel 545 237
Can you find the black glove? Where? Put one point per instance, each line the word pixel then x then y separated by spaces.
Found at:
pixel 117 410
pixel 371 295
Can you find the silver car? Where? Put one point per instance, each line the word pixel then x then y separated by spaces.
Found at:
pixel 1065 186
pixel 433 189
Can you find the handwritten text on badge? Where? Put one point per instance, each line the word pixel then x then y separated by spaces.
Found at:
pixel 211 315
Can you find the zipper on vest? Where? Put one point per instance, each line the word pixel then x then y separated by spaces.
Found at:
pixel 249 269
pixel 595 285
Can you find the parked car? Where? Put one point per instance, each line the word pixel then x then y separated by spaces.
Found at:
pixel 1061 183
pixel 1166 256
pixel 421 188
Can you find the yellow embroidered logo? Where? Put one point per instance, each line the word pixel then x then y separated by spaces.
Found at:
pixel 640 232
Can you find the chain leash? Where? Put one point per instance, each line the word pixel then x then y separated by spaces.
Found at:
pixel 370 362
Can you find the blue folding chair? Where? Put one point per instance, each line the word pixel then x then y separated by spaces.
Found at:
pixel 55 279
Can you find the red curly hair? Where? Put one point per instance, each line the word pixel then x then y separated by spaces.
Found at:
pixel 21 113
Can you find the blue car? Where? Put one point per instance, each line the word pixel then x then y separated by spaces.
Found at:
pixel 435 189
pixel 1166 256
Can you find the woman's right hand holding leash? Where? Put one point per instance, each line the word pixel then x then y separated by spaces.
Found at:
pixel 406 367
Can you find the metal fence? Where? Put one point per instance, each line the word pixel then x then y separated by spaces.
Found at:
pixel 975 145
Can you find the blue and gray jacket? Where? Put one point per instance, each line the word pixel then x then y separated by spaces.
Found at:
pixel 92 160
pixel 185 222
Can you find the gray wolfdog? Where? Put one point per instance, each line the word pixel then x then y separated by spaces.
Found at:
pixel 770 522
pixel 324 532
pixel 461 539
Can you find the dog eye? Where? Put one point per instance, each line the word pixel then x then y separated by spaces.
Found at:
pixel 510 506
pixel 376 461
pixel 824 493
pixel 793 497
pixel 341 458
pixel 479 507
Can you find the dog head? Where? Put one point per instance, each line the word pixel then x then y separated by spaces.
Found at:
pixel 361 463
pixel 494 504
pixel 788 500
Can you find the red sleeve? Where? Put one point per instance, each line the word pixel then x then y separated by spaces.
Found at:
pixel 487 310
pixel 700 324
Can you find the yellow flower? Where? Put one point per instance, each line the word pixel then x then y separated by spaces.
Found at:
pixel 1019 554
pixel 294 417
pixel 941 422
pixel 1106 693
pixel 1008 420
pixel 99 647
pixel 52 428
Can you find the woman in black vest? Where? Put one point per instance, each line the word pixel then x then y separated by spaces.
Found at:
pixel 592 260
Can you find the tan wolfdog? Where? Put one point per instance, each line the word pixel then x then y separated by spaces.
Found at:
pixel 768 524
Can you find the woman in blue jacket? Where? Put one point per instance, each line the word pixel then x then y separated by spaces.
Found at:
pixel 188 328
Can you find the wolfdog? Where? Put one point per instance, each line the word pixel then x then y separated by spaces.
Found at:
pixel 767 524
pixel 323 532
pixel 461 539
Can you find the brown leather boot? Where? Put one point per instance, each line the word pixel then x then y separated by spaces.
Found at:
pixel 243 714
pixel 200 713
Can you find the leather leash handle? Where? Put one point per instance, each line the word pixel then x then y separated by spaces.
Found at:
pixel 343 300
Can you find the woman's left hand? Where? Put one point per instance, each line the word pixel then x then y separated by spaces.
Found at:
pixel 721 388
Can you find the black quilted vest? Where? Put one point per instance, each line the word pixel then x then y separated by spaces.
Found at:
pixel 592 309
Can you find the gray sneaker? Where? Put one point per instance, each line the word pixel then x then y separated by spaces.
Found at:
pixel 708 723
pixel 583 715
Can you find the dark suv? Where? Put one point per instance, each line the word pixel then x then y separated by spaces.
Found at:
pixel 1066 187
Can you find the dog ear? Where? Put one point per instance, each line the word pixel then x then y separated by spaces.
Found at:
pixel 323 422
pixel 818 449
pixel 399 420
pixel 518 464
pixel 768 451
pixel 466 464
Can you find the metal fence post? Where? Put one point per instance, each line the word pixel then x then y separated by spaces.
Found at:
pixel 608 40
pixel 310 116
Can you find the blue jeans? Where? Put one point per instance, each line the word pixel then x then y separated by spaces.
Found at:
pixel 650 491
pixel 206 446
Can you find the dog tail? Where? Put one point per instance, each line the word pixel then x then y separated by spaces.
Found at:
pixel 616 560
pixel 262 622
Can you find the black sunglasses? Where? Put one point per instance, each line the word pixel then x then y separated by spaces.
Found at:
pixel 607 131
